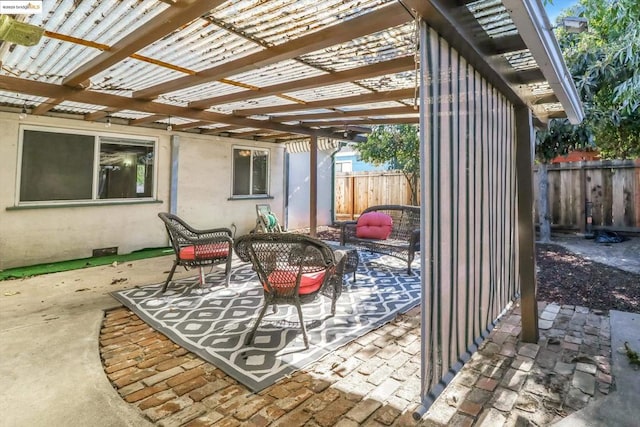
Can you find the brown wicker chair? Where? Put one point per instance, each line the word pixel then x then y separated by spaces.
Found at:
pixel 402 243
pixel 293 269
pixel 197 248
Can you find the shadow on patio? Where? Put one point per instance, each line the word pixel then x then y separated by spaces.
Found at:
pixel 373 380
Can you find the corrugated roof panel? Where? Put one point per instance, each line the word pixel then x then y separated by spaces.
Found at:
pixel 77 107
pixel 327 92
pixel 13 99
pixel 387 104
pixel 277 73
pixel 404 80
pixel 278 22
pixel 540 88
pixel 200 45
pixel 393 43
pixel 268 101
pixel 132 74
pixel 493 17
pixel 205 90
pixel 101 22
pixel 130 114
pixel 521 60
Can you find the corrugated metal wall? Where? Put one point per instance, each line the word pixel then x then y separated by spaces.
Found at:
pixel 470 268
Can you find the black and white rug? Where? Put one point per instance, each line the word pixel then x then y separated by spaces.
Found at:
pixel 214 323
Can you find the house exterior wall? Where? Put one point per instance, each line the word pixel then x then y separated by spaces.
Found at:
pixel 298 193
pixel 42 234
pixel 470 217
pixel 357 165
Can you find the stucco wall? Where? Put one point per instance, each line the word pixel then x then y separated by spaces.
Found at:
pixel 47 234
pixel 298 197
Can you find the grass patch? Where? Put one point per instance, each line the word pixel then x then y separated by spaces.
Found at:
pixel 55 267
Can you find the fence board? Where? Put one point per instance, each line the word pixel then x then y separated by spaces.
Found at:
pixel 612 186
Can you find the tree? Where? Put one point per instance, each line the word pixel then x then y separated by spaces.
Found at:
pixel 398 146
pixel 559 138
pixel 605 65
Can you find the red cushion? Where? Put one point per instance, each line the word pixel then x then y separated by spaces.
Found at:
pixel 374 225
pixel 309 283
pixel 219 250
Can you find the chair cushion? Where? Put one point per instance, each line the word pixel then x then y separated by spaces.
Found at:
pixel 374 225
pixel 309 283
pixel 218 250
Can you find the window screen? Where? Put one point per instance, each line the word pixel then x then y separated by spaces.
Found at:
pixel 56 166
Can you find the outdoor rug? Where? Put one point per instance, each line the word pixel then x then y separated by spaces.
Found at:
pixel 214 322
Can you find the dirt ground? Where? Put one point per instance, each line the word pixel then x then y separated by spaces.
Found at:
pixel 568 278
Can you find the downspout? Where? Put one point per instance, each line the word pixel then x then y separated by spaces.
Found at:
pixel 286 189
pixel 175 164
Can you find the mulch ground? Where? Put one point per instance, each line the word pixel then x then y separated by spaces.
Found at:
pixel 567 278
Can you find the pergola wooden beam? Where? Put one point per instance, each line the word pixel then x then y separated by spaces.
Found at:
pixel 148 119
pixel 46 106
pixel 388 16
pixel 48 90
pixel 339 114
pixel 219 130
pixel 386 121
pixel 374 70
pixel 392 95
pixel 190 125
pixel 183 12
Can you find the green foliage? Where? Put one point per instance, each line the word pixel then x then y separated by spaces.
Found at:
pixel 560 138
pixel 399 147
pixel 605 65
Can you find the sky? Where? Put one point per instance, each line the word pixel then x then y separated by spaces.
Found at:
pixel 553 10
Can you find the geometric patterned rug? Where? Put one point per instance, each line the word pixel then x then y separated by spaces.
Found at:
pixel 214 322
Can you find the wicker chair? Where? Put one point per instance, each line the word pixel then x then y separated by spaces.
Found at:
pixel 197 248
pixel 293 269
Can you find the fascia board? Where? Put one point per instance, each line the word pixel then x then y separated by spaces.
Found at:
pixel 534 27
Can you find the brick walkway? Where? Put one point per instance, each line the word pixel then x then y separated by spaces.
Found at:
pixel 373 381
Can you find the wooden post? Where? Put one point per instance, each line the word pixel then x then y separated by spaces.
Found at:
pixel 313 184
pixel 352 196
pixel 526 234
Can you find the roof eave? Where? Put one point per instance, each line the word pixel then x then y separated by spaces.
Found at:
pixel 535 29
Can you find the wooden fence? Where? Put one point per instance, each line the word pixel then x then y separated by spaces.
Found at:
pixel 355 191
pixel 610 187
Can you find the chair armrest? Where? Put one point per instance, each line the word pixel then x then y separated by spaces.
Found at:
pixel 347 228
pixel 210 237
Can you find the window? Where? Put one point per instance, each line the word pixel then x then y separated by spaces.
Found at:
pixel 344 166
pixel 59 166
pixel 250 172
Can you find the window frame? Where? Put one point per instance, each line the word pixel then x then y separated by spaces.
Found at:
pixel 128 139
pixel 267 194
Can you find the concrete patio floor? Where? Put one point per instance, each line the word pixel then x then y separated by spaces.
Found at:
pixel 53 329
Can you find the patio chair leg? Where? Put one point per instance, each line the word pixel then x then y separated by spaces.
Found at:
pixel 304 329
pixel 255 327
pixel 227 273
pixel 202 282
pixel 170 276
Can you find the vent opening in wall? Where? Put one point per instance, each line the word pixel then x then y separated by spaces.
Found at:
pixel 105 251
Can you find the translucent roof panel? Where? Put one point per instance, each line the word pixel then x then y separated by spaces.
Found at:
pixel 493 17
pixel 276 22
pixel 382 46
pixel 97 22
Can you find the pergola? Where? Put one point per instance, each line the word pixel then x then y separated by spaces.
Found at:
pixel 267 70
pixel 472 73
